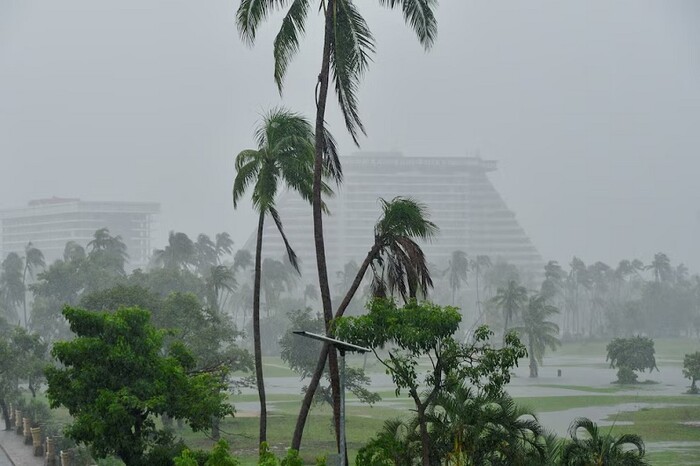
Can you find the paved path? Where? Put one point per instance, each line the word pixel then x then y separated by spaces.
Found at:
pixel 13 451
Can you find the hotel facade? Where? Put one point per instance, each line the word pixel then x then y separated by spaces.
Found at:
pixel 461 200
pixel 50 223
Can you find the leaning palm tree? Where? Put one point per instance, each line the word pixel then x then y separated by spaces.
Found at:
pixel 180 252
pixel 347 48
pixel 510 300
pixel 541 333
pixel 284 157
pixel 457 269
pixel 601 449
pixel 404 221
pixel 33 259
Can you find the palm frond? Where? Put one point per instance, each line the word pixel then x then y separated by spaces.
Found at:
pixel 287 40
pixel 251 13
pixel 290 252
pixel 331 160
pixel 245 175
pixel 351 47
pixel 419 14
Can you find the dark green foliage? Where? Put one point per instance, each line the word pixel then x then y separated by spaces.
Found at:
pixel 114 380
pixel 597 448
pixel 469 427
pixel 420 330
pixel 398 443
pixel 691 370
pixel 631 354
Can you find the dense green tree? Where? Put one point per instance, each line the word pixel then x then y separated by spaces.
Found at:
pixel 691 370
pixel 284 157
pixel 541 333
pixel 31 352
pixel 10 369
pixel 114 379
pixel 597 448
pixel 510 300
pixel 423 330
pixel 629 355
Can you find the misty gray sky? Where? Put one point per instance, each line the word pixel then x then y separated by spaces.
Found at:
pixel 592 109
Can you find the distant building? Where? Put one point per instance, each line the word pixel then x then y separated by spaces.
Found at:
pixel 461 199
pixel 50 223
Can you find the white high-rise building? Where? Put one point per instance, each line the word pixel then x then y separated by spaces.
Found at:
pixel 50 223
pixel 461 200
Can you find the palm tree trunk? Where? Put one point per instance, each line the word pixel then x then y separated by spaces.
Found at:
pixel 321 364
pixel 533 360
pixel 256 332
pixel 24 292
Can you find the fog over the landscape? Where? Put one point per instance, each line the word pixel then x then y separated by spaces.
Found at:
pixel 592 109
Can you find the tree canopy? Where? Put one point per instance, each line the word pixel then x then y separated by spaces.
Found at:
pixel 114 379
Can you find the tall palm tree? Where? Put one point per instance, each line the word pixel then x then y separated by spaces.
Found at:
pixel 510 300
pixel 108 252
pixel 284 157
pixel 541 333
pixel 601 449
pixel 661 267
pixel 458 268
pixel 403 222
pixel 347 48
pixel 33 259
pixel 205 254
pixel 220 279
pixel 12 288
pixel 223 245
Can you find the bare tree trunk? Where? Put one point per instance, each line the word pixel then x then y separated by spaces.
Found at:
pixel 424 437
pixel 256 332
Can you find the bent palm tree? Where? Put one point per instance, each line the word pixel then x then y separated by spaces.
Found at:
pixel 541 333
pixel 403 222
pixel 601 449
pixel 347 48
pixel 284 157
pixel 510 299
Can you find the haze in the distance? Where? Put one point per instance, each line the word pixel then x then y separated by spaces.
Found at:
pixel 592 109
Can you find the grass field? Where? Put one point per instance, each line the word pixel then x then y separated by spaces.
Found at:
pixel 656 412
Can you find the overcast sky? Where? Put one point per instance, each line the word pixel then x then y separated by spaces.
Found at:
pixel 592 109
